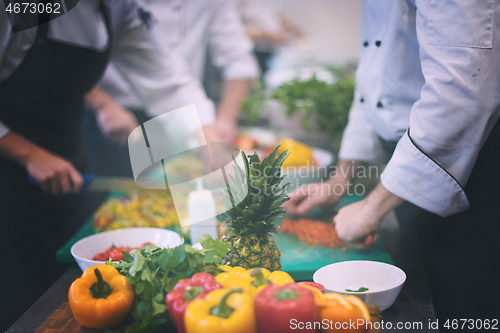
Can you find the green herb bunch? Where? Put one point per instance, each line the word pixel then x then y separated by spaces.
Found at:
pixel 153 272
pixel 327 104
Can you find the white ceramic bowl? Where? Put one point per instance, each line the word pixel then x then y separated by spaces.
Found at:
pixel 85 249
pixel 384 281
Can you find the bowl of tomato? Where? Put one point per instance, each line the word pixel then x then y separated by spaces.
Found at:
pixel 96 249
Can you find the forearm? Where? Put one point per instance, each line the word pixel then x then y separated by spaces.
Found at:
pixel 346 171
pixel 99 99
pixel 380 201
pixel 233 94
pixel 17 148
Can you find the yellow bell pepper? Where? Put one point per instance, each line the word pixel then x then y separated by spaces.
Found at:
pixel 251 280
pixel 300 154
pixel 101 298
pixel 222 311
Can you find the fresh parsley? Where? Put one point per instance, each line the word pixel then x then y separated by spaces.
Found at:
pixel 153 272
pixel 360 290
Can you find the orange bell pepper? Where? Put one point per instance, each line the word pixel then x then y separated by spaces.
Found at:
pixel 101 298
pixel 343 313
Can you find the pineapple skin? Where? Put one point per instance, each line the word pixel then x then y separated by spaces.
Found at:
pixel 252 220
pixel 252 252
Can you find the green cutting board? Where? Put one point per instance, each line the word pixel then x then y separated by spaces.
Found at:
pixel 301 261
pixel 298 259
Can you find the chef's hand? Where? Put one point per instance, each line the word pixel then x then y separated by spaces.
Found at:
pixel 356 221
pixel 309 196
pixel 54 174
pixel 116 123
pixel 226 129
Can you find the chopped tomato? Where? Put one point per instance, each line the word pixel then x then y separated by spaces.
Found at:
pixel 116 253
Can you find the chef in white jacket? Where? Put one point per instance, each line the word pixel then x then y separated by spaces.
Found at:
pixel 45 73
pixel 428 94
pixel 193 28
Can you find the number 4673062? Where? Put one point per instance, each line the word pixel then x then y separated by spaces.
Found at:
pixel 33 8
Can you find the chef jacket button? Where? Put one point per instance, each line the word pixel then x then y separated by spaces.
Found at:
pixel 378 43
pixel 177 8
pixel 380 105
pixel 365 44
pixel 361 99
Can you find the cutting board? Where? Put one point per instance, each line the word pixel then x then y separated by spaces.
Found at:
pixel 298 259
pixel 301 260
pixel 62 321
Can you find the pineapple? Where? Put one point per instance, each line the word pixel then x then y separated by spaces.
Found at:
pixel 252 221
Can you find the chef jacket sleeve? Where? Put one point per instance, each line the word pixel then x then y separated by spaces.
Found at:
pixel 161 79
pixel 458 107
pixel 360 143
pixel 229 46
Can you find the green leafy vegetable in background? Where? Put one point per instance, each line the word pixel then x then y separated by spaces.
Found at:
pixel 327 104
pixel 360 290
pixel 153 272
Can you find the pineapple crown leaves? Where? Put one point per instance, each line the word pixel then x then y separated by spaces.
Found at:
pixel 257 212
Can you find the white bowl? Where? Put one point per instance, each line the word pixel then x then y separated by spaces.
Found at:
pixel 384 281
pixel 86 248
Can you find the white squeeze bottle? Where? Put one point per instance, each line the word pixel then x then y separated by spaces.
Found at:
pixel 201 210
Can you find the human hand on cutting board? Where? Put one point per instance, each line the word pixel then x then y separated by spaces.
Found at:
pixel 305 198
pixel 308 196
pixel 357 223
pixel 55 174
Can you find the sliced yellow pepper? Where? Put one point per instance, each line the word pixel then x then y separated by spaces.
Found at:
pixel 251 280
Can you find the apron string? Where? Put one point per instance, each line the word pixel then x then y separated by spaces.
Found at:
pixel 43 25
pixel 107 20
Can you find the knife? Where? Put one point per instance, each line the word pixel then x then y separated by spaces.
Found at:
pixel 92 183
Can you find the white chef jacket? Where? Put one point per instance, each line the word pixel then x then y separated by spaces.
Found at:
pixel 162 79
pixel 429 77
pixel 191 27
pixel 258 15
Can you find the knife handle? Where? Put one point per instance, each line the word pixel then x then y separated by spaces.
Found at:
pixel 87 179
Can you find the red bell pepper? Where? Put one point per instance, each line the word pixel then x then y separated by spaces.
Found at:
pixel 276 306
pixel 186 290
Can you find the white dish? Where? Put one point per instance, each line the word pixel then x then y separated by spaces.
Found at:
pixel 384 281
pixel 85 249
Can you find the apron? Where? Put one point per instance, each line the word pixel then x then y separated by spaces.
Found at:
pixel 460 253
pixel 43 101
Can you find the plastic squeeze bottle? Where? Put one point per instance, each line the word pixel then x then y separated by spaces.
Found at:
pixel 202 216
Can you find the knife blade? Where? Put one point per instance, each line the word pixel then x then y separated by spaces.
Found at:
pixel 92 183
pixel 110 184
